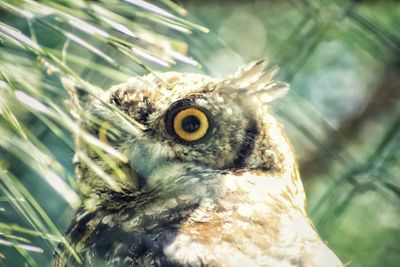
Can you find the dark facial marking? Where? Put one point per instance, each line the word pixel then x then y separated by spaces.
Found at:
pixel 247 146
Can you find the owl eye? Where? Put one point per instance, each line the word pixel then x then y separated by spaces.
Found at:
pixel 190 124
pixel 107 133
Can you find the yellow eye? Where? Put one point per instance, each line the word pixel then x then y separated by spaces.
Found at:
pixel 107 133
pixel 190 124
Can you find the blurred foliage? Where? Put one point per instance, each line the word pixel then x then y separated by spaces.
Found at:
pixel 342 59
pixel 45 46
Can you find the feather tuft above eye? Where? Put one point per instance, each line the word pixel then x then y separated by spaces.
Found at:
pixel 255 80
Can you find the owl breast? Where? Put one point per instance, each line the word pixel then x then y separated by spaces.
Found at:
pixel 229 219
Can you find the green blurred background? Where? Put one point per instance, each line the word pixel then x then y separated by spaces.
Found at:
pixel 342 59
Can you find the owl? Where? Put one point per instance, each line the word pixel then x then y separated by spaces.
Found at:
pixel 183 169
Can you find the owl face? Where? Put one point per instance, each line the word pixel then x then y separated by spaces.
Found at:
pixel 204 126
pixel 186 119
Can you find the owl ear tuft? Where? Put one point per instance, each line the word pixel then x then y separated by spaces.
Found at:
pixel 273 90
pixel 258 81
pixel 247 74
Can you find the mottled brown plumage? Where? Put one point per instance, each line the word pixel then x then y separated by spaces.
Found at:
pixel 218 188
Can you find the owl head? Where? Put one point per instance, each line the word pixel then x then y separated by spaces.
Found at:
pixel 195 139
pixel 178 120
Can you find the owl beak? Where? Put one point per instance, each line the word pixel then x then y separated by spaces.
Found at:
pixel 143 162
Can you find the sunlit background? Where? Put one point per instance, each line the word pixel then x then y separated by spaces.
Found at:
pixel 342 59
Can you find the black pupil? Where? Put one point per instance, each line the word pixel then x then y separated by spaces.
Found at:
pixel 190 124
